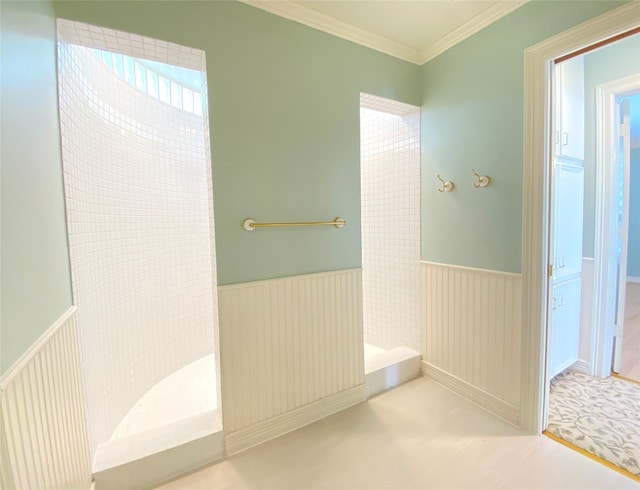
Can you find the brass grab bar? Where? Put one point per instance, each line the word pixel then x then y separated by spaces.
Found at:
pixel 250 225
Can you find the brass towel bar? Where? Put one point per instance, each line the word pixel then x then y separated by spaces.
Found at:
pixel 250 225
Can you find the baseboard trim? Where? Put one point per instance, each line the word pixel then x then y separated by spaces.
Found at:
pixel 281 424
pixel 633 279
pixel 581 366
pixel 485 400
pixel 34 348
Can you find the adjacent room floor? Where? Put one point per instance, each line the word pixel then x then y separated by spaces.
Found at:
pixel 599 415
pixel 630 365
pixel 419 436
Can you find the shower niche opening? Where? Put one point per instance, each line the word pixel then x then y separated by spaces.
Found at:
pixel 139 199
pixel 390 204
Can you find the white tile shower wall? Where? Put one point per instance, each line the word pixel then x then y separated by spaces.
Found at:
pixel 209 171
pixel 43 436
pixel 139 235
pixel 390 187
pixel 91 36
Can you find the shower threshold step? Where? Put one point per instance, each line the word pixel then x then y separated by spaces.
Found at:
pixel 157 455
pixel 385 369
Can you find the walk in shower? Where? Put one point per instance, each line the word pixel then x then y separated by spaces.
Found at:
pixel 138 188
pixel 390 203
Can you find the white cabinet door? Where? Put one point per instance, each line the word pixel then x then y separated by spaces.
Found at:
pixel 567 211
pixel 567 265
pixel 565 325
pixel 568 218
pixel 570 103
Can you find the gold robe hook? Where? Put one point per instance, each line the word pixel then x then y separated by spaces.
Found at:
pixel 447 186
pixel 483 180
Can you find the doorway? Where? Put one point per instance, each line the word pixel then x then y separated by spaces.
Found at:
pixel 137 180
pixel 390 210
pixel 588 247
pixel 538 64
pixel 613 224
pixel 626 354
pixel 589 207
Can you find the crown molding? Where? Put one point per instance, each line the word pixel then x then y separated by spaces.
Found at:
pixel 322 22
pixel 316 20
pixel 469 28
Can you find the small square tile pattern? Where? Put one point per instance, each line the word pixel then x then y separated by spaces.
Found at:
pixel 390 187
pixel 138 195
pixel 130 44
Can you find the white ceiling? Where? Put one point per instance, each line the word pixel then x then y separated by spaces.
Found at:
pixel 412 30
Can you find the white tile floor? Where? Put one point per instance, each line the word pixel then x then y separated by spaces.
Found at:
pixel 185 393
pixel 419 436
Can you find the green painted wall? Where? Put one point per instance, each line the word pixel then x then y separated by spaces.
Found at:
pixel 604 65
pixel 284 115
pixel 633 257
pixel 34 281
pixel 472 117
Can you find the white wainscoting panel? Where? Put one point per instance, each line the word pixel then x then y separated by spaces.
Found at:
pixel 286 344
pixel 44 435
pixel 472 334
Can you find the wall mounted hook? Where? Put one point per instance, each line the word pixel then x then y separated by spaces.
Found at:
pixel 483 180
pixel 447 186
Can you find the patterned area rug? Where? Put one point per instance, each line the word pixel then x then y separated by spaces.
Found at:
pixel 601 416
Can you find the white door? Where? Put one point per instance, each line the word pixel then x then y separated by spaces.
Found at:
pixel 612 131
pixel 622 206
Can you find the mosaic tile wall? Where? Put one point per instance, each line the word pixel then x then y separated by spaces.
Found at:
pixel 390 187
pixel 140 237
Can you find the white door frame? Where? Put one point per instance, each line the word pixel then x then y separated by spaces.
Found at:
pixel 538 148
pixel 606 229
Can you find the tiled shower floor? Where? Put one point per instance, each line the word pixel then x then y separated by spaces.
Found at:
pixel 189 391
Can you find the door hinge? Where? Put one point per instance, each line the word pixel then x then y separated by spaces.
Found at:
pixel 550 270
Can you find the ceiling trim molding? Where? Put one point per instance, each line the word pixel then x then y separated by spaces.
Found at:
pixel 317 20
pixel 322 22
pixel 469 28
